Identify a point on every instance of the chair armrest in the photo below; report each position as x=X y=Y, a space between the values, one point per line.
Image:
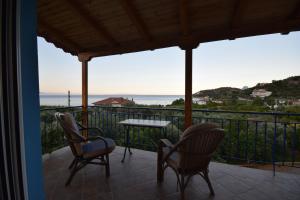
x=99 y=138
x=82 y=128
x=76 y=140
x=98 y=130
x=166 y=143
x=173 y=148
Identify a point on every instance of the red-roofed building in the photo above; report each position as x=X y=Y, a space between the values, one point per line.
x=114 y=101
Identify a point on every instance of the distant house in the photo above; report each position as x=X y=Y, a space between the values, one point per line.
x=114 y=101
x=243 y=99
x=261 y=84
x=262 y=93
x=217 y=101
x=295 y=102
x=281 y=101
x=202 y=100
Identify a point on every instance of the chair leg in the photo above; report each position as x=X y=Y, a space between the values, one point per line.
x=73 y=172
x=72 y=163
x=182 y=186
x=206 y=178
x=107 y=166
x=160 y=170
x=102 y=158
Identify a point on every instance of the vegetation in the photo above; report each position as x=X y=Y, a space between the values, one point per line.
x=250 y=137
x=286 y=89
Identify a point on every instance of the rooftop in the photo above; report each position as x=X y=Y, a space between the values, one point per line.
x=136 y=179
x=114 y=100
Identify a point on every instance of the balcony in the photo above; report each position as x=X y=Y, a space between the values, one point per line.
x=260 y=140
x=136 y=179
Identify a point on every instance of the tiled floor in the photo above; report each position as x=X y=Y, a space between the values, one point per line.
x=136 y=179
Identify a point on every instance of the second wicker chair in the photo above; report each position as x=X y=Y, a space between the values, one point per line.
x=191 y=155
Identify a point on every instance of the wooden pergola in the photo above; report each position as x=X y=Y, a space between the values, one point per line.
x=97 y=28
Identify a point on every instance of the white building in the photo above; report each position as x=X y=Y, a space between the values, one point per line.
x=262 y=93
x=202 y=100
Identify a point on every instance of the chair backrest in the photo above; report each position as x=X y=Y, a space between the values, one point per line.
x=198 y=143
x=72 y=133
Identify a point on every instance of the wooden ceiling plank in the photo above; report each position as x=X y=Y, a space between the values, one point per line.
x=136 y=19
x=201 y=36
x=183 y=17
x=235 y=14
x=295 y=12
x=91 y=21
x=58 y=35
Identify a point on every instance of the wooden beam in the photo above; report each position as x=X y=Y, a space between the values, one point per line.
x=51 y=33
x=85 y=95
x=183 y=17
x=136 y=19
x=188 y=88
x=85 y=15
x=200 y=36
x=295 y=12
x=236 y=14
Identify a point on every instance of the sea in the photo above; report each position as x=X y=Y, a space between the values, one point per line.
x=75 y=100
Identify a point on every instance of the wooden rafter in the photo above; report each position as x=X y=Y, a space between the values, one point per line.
x=200 y=36
x=183 y=17
x=91 y=21
x=295 y=12
x=235 y=14
x=136 y=19
x=58 y=35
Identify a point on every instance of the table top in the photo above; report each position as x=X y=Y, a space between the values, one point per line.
x=145 y=123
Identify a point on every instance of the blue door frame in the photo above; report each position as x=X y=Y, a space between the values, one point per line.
x=30 y=98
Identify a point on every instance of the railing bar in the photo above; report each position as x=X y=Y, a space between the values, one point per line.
x=294 y=144
x=247 y=142
x=255 y=140
x=238 y=132
x=284 y=144
x=274 y=144
x=265 y=141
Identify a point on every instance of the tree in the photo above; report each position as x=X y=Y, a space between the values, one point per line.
x=258 y=102
x=178 y=102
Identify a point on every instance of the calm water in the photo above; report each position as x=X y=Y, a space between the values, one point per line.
x=62 y=100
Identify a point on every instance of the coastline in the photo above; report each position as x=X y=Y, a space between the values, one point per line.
x=62 y=100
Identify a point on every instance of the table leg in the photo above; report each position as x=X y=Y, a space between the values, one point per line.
x=164 y=132
x=128 y=141
x=127 y=144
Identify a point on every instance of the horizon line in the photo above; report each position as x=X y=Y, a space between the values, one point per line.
x=115 y=94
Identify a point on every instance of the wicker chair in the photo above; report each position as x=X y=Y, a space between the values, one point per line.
x=191 y=155
x=85 y=150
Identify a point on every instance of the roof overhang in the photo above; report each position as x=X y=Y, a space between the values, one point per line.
x=108 y=27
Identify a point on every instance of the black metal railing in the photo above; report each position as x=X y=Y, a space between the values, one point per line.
x=259 y=137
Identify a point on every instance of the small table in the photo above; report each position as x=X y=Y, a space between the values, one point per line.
x=140 y=123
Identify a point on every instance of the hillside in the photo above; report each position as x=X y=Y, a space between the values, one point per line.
x=287 y=88
x=220 y=93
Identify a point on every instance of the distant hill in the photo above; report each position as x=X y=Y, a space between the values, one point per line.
x=220 y=93
x=287 y=88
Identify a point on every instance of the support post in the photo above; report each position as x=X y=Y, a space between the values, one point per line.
x=188 y=88
x=85 y=95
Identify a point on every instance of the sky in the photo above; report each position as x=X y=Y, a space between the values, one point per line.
x=227 y=63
